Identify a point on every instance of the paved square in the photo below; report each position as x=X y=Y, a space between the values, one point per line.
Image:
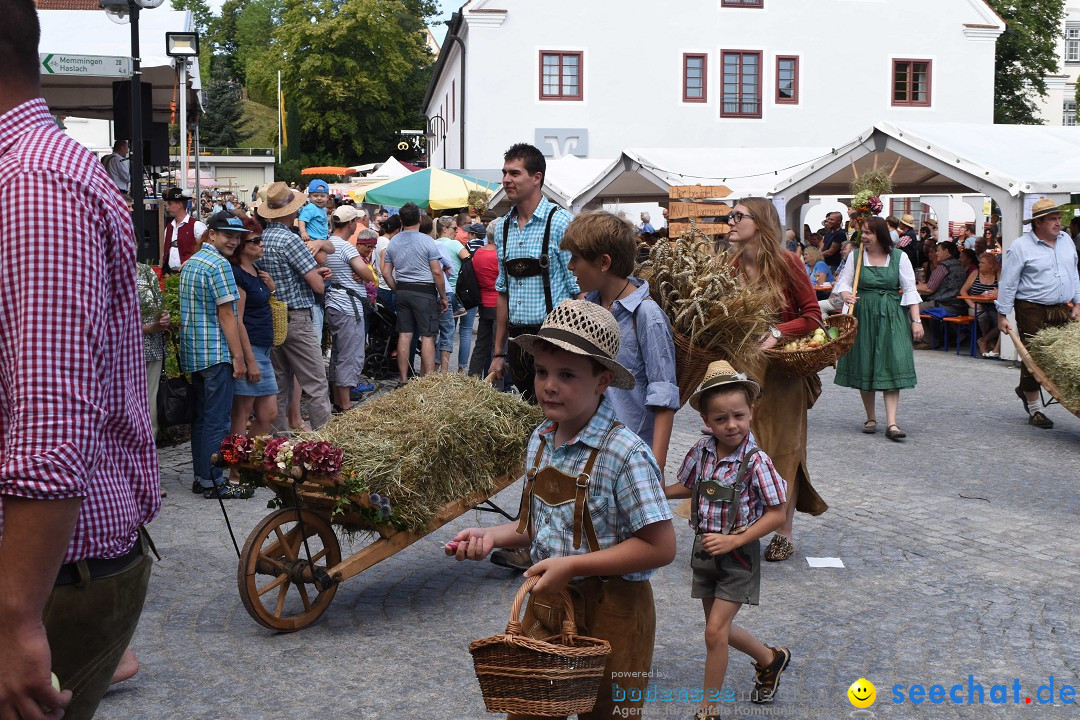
x=960 y=547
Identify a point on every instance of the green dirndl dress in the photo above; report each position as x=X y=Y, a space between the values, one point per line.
x=882 y=357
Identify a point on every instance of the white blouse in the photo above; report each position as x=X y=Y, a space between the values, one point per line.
x=907 y=278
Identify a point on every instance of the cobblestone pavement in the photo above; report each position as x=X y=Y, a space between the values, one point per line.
x=960 y=548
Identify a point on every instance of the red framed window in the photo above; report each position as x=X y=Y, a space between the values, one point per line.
x=787 y=79
x=560 y=75
x=741 y=84
x=743 y=3
x=695 y=76
x=911 y=82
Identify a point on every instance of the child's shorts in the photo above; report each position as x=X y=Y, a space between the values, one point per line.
x=734 y=576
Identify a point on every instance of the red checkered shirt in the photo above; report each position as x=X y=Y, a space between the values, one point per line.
x=73 y=411
x=764 y=486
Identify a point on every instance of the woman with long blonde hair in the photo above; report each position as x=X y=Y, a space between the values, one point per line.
x=779 y=422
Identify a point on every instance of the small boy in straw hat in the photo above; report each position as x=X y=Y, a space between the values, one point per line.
x=738 y=498
x=593 y=504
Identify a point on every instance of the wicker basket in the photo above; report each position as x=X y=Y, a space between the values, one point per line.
x=801 y=363
x=279 y=312
x=553 y=677
x=690 y=366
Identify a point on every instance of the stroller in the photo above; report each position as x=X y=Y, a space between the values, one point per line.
x=382 y=339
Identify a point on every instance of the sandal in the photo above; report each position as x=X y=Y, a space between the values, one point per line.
x=869 y=427
x=894 y=435
x=779 y=549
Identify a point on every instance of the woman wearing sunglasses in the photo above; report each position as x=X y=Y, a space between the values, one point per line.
x=258 y=389
x=779 y=420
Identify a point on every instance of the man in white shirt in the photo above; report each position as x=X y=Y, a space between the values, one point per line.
x=182 y=234
x=118 y=167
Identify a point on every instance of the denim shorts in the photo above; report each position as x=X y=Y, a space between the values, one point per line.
x=267 y=385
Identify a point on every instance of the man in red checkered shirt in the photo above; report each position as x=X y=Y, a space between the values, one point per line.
x=78 y=468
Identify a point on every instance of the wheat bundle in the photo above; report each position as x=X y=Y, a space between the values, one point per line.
x=1056 y=350
x=431 y=442
x=705 y=299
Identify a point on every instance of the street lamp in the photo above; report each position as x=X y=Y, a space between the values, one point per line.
x=183 y=45
x=436 y=127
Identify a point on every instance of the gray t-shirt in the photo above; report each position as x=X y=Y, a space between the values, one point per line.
x=411 y=253
x=342 y=277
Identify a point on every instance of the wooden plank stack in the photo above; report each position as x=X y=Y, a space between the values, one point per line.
x=700 y=203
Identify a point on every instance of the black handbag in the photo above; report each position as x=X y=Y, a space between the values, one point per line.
x=175 y=401
x=468 y=286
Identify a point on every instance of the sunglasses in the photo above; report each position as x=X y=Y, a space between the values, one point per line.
x=737 y=217
x=255 y=241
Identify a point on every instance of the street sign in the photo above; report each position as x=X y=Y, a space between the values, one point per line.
x=89 y=65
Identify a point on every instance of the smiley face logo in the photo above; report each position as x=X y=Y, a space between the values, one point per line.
x=862 y=693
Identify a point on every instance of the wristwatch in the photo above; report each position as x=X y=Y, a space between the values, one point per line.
x=775 y=332
x=917 y=322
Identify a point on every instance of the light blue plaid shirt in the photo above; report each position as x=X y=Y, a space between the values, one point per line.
x=206 y=281
x=625 y=492
x=526 y=295
x=287 y=259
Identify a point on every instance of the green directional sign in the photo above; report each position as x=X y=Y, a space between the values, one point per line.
x=89 y=65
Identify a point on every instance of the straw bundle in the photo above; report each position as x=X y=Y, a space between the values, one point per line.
x=705 y=300
x=429 y=443
x=1056 y=350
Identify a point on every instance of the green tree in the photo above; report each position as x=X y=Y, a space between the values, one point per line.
x=222 y=125
x=356 y=71
x=255 y=53
x=1026 y=53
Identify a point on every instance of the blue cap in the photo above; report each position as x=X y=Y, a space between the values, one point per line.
x=318 y=186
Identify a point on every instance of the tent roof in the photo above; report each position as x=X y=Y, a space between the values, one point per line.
x=90 y=32
x=942 y=158
x=645 y=174
x=392 y=168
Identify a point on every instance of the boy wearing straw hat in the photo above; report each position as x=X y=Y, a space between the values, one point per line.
x=593 y=506
x=738 y=498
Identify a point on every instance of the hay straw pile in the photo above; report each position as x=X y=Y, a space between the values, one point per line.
x=1056 y=350
x=705 y=300
x=433 y=441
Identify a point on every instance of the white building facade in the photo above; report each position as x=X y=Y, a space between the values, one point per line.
x=1058 y=107
x=590 y=78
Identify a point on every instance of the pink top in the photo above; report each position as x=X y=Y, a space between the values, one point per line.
x=73 y=410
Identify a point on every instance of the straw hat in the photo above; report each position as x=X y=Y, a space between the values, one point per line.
x=721 y=373
x=1041 y=208
x=907 y=220
x=281 y=201
x=930 y=221
x=583 y=328
x=260 y=198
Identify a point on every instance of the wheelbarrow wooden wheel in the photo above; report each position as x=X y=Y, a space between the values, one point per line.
x=279 y=587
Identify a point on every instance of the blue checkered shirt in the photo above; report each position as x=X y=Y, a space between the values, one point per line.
x=526 y=295
x=287 y=259
x=206 y=281
x=625 y=492
x=764 y=486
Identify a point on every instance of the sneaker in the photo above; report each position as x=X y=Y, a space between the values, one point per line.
x=513 y=558
x=1039 y=420
x=197 y=487
x=230 y=492
x=991 y=355
x=767 y=679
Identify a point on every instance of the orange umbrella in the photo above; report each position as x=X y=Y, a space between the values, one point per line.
x=329 y=170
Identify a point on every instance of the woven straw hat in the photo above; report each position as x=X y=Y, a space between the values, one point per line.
x=281 y=201
x=721 y=373
x=1042 y=207
x=583 y=328
x=907 y=220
